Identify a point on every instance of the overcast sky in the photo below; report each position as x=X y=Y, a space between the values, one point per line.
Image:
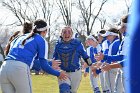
x=112 y=9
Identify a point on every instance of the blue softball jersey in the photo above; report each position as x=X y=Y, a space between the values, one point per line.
x=35 y=46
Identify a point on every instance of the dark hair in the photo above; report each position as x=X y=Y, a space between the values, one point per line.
x=114 y=30
x=40 y=23
x=27 y=27
x=15 y=35
x=37 y=25
x=120 y=35
x=96 y=37
x=124 y=19
x=102 y=31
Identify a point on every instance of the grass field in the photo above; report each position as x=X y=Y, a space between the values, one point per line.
x=49 y=84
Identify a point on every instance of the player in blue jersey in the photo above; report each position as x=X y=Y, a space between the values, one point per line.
x=120 y=57
x=122 y=48
x=112 y=36
x=105 y=47
x=69 y=50
x=15 y=71
x=92 y=49
x=27 y=28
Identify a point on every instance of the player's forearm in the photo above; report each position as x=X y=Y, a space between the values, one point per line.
x=47 y=68
x=115 y=65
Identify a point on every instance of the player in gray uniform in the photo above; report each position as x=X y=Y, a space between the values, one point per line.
x=105 y=47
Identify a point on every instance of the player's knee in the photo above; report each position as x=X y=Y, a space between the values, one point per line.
x=64 y=88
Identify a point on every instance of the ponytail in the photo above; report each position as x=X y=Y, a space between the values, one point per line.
x=30 y=35
x=120 y=36
x=15 y=35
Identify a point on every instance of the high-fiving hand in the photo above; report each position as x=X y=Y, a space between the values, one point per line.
x=63 y=75
x=56 y=64
x=99 y=56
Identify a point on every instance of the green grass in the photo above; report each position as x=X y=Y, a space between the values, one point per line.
x=49 y=84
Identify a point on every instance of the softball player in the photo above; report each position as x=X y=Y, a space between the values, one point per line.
x=112 y=36
x=105 y=48
x=27 y=28
x=123 y=50
x=93 y=48
x=15 y=71
x=69 y=50
x=122 y=53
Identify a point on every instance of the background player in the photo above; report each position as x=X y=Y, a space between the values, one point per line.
x=93 y=47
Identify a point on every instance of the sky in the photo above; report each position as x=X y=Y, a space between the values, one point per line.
x=113 y=9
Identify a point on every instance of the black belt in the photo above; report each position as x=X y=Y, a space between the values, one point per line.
x=73 y=70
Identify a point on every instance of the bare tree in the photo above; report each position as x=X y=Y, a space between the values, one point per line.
x=80 y=27
x=65 y=7
x=128 y=5
x=102 y=20
x=16 y=8
x=4 y=35
x=30 y=10
x=87 y=13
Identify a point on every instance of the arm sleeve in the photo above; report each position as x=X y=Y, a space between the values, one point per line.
x=84 y=54
x=50 y=63
x=47 y=68
x=42 y=54
x=82 y=51
x=90 y=52
x=122 y=62
x=42 y=48
x=113 y=58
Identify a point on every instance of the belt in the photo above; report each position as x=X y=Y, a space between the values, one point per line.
x=73 y=70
